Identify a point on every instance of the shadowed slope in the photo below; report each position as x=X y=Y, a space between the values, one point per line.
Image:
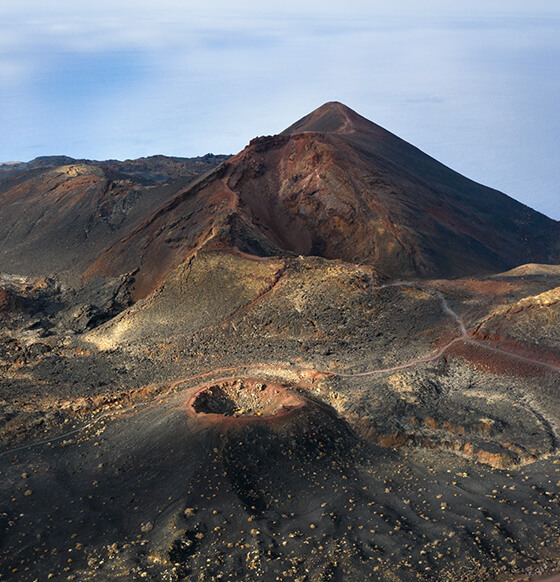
x=57 y=214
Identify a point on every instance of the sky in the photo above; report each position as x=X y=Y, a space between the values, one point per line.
x=475 y=85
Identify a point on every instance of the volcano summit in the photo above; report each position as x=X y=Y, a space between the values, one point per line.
x=328 y=357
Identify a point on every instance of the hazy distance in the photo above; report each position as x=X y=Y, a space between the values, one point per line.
x=476 y=87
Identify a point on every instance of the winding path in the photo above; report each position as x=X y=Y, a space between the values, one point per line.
x=463 y=337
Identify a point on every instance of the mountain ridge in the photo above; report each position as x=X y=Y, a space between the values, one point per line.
x=333 y=184
x=59 y=213
x=352 y=192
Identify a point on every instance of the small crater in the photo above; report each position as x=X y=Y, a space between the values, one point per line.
x=247 y=398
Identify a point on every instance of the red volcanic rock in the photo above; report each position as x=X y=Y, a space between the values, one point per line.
x=338 y=186
x=528 y=327
x=333 y=185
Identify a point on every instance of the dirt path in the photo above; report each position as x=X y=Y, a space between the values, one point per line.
x=464 y=337
x=60 y=436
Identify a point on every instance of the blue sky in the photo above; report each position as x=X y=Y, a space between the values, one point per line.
x=475 y=86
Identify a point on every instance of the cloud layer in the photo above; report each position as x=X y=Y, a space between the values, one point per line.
x=476 y=87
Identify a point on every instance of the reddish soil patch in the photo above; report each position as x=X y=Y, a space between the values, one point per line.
x=490 y=288
x=497 y=360
x=480 y=287
x=518 y=349
x=242 y=401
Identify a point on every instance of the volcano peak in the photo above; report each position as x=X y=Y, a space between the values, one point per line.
x=331 y=117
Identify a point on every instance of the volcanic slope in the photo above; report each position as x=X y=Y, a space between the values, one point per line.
x=57 y=214
x=258 y=414
x=338 y=186
x=281 y=419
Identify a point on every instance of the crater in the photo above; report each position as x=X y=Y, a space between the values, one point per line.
x=249 y=399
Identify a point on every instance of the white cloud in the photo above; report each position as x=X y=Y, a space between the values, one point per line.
x=13 y=72
x=183 y=77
